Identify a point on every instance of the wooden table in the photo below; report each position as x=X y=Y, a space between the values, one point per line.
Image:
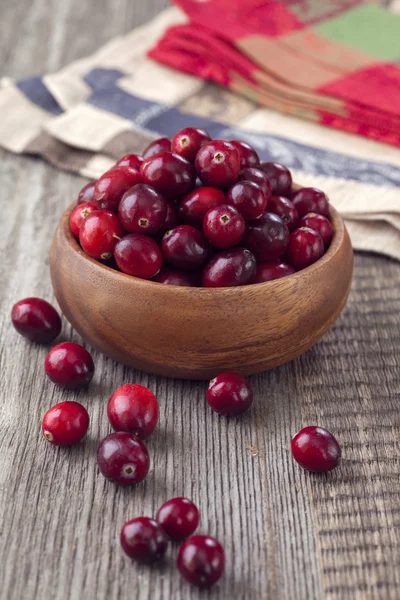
x=288 y=534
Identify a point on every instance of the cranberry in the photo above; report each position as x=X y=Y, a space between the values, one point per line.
x=130 y=160
x=305 y=248
x=267 y=271
x=160 y=145
x=185 y=248
x=285 y=209
x=175 y=277
x=267 y=237
x=309 y=200
x=316 y=449
x=86 y=193
x=69 y=365
x=280 y=177
x=235 y=266
x=65 y=423
x=143 y=540
x=320 y=224
x=259 y=177
x=99 y=232
x=179 y=517
x=79 y=213
x=195 y=206
x=123 y=458
x=218 y=164
x=36 y=320
x=224 y=226
x=201 y=560
x=229 y=394
x=171 y=220
x=133 y=408
x=169 y=174
x=248 y=156
x=248 y=198
x=138 y=255
x=112 y=186
x=142 y=210
x=188 y=142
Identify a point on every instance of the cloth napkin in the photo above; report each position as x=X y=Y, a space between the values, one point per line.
x=116 y=101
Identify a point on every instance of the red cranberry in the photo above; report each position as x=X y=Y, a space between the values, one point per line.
x=305 y=248
x=86 y=193
x=69 y=365
x=309 y=200
x=259 y=177
x=179 y=517
x=99 y=232
x=36 y=320
x=142 y=210
x=130 y=160
x=169 y=174
x=171 y=220
x=123 y=458
x=285 y=209
x=201 y=560
x=267 y=237
x=79 y=213
x=195 y=206
x=65 y=423
x=218 y=164
x=267 y=271
x=316 y=449
x=188 y=142
x=143 y=540
x=248 y=198
x=320 y=224
x=248 y=156
x=133 y=408
x=160 y=145
x=112 y=186
x=235 y=266
x=280 y=177
x=224 y=226
x=138 y=255
x=175 y=277
x=229 y=394
x=185 y=248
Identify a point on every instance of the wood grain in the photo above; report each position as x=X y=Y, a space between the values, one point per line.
x=288 y=534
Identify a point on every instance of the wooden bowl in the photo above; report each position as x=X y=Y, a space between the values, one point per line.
x=195 y=333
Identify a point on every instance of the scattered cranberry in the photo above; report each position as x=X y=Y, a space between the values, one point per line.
x=112 y=186
x=36 y=320
x=218 y=164
x=179 y=517
x=79 y=213
x=169 y=174
x=99 y=232
x=248 y=198
x=259 y=177
x=188 y=142
x=248 y=156
x=160 y=145
x=305 y=248
x=316 y=449
x=69 y=365
x=267 y=237
x=235 y=266
x=195 y=206
x=133 y=408
x=185 y=248
x=309 y=200
x=175 y=277
x=229 y=394
x=320 y=224
x=123 y=458
x=65 y=423
x=171 y=220
x=138 y=255
x=142 y=210
x=224 y=226
x=86 y=193
x=130 y=160
x=143 y=540
x=285 y=209
x=201 y=560
x=280 y=177
x=275 y=269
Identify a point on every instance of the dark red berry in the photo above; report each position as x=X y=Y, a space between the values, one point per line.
x=259 y=177
x=229 y=394
x=280 y=177
x=185 y=248
x=218 y=164
x=142 y=210
x=80 y=213
x=143 y=540
x=36 y=320
x=123 y=458
x=175 y=277
x=188 y=142
x=86 y=193
x=316 y=449
x=160 y=145
x=235 y=266
x=248 y=198
x=267 y=237
x=69 y=365
x=309 y=200
x=169 y=174
x=305 y=248
x=99 y=232
x=224 y=226
x=133 y=408
x=179 y=517
x=65 y=423
x=112 y=186
x=285 y=209
x=138 y=255
x=171 y=220
x=195 y=206
x=201 y=560
x=267 y=271
x=248 y=156
x=320 y=224
x=130 y=160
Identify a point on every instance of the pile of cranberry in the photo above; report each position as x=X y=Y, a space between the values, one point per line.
x=194 y=211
